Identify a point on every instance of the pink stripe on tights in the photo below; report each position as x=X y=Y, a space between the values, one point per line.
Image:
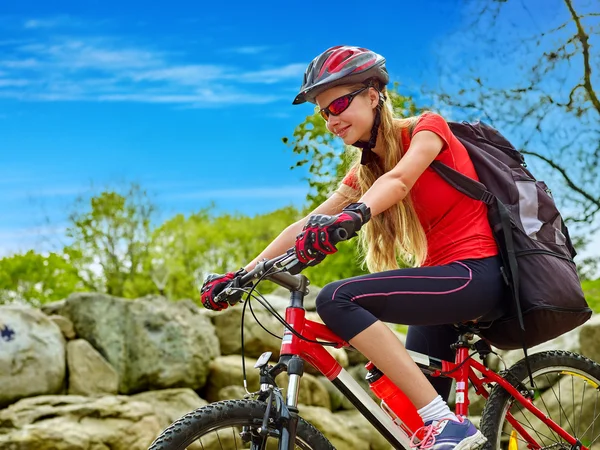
x=386 y=294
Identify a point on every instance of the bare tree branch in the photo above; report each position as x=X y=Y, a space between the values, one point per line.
x=584 y=39
x=566 y=177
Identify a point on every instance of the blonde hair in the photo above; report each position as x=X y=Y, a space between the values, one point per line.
x=396 y=235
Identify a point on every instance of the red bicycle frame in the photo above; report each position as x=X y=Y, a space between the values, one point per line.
x=462 y=370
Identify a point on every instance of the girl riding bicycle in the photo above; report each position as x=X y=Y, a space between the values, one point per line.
x=408 y=213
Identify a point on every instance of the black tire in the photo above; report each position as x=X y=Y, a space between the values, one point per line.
x=555 y=374
x=231 y=414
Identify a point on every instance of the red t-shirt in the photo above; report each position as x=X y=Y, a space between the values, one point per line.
x=456 y=226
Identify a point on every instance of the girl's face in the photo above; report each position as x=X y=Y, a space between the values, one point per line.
x=355 y=122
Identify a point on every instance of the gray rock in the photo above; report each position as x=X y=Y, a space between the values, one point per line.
x=32 y=354
x=309 y=300
x=356 y=423
x=346 y=430
x=65 y=325
x=76 y=423
x=89 y=373
x=589 y=337
x=171 y=404
x=151 y=342
x=568 y=341
x=335 y=396
x=226 y=381
x=54 y=308
x=231 y=393
x=256 y=340
x=227 y=371
x=355 y=357
x=312 y=391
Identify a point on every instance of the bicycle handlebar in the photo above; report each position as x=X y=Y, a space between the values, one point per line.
x=287 y=262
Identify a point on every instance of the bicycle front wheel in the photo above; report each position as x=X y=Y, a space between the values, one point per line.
x=233 y=424
x=566 y=391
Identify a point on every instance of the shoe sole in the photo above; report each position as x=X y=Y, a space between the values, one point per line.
x=472 y=442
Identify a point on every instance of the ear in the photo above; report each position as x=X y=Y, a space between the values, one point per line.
x=373 y=97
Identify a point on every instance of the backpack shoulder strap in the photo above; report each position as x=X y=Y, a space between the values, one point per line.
x=468 y=186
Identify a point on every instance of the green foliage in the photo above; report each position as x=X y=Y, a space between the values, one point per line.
x=343 y=264
x=37 y=279
x=190 y=248
x=317 y=148
x=111 y=237
x=591 y=289
x=587 y=267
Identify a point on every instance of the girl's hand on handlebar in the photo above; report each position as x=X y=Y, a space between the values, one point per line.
x=316 y=240
x=213 y=285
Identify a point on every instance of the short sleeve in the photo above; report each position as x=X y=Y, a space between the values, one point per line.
x=436 y=124
x=349 y=185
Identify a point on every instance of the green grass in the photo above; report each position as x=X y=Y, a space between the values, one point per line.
x=591 y=289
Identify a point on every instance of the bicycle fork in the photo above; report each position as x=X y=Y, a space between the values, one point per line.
x=285 y=411
x=288 y=431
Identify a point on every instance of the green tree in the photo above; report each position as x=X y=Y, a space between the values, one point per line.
x=191 y=247
x=37 y=279
x=110 y=242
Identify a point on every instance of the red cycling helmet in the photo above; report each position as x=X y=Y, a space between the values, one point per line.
x=339 y=65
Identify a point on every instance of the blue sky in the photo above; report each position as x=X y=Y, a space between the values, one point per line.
x=190 y=99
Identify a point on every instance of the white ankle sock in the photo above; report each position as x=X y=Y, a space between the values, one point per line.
x=437 y=409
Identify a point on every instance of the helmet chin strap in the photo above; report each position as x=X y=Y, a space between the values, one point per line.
x=368 y=155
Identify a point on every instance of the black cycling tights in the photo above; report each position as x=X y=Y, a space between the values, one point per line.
x=429 y=299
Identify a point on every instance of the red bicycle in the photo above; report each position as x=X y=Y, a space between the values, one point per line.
x=559 y=411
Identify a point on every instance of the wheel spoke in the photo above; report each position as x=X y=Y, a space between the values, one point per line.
x=556 y=437
x=219 y=438
x=581 y=408
x=234 y=437
x=565 y=384
x=536 y=430
x=560 y=403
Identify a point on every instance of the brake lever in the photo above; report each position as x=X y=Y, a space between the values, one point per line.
x=291 y=263
x=232 y=293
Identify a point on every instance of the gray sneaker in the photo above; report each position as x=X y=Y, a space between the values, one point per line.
x=448 y=434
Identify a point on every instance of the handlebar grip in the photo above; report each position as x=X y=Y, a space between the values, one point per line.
x=340 y=234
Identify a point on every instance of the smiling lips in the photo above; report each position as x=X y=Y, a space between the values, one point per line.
x=343 y=131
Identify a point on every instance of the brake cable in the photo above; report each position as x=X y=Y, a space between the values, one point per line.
x=264 y=302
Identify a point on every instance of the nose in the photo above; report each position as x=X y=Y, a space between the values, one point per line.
x=332 y=122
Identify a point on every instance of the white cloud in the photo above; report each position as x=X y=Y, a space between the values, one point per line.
x=34 y=23
x=18 y=233
x=196 y=100
x=51 y=22
x=19 y=64
x=110 y=70
x=14 y=193
x=186 y=75
x=291 y=71
x=12 y=82
x=41 y=238
x=248 y=50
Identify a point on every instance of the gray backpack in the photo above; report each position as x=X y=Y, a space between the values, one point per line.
x=534 y=243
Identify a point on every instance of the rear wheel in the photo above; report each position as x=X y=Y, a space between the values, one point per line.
x=233 y=424
x=566 y=390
